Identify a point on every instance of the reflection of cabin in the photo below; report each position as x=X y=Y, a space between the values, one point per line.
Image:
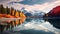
x=11 y=11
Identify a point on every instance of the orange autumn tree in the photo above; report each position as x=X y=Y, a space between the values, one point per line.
x=10 y=13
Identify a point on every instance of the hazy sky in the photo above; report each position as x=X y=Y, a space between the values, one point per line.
x=32 y=5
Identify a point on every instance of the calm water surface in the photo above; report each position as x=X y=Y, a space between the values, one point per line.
x=32 y=26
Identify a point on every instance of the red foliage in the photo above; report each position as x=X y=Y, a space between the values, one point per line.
x=55 y=11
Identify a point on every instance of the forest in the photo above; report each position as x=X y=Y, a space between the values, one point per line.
x=9 y=12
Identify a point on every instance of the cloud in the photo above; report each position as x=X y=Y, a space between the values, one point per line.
x=8 y=1
x=30 y=8
x=44 y=7
x=51 y=5
x=32 y=2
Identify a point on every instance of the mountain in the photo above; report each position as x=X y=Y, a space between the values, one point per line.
x=33 y=13
x=55 y=12
x=38 y=13
x=26 y=12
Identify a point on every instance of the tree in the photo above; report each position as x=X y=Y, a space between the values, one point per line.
x=7 y=10
x=11 y=11
x=2 y=9
x=14 y=12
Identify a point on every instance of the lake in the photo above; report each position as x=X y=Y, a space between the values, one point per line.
x=31 y=26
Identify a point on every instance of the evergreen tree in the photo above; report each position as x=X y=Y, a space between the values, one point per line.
x=12 y=11
x=2 y=9
x=7 y=10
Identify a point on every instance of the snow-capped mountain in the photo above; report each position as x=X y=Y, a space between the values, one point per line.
x=32 y=13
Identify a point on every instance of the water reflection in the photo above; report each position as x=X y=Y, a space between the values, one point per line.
x=6 y=25
x=36 y=26
x=54 y=22
x=32 y=26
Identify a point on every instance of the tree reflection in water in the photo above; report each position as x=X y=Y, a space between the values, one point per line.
x=54 y=22
x=6 y=25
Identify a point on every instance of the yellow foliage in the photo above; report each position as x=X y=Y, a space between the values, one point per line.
x=13 y=12
x=22 y=15
x=18 y=14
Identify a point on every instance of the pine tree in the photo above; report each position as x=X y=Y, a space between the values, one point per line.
x=12 y=11
x=2 y=8
x=7 y=10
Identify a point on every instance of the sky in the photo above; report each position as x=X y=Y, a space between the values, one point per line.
x=32 y=5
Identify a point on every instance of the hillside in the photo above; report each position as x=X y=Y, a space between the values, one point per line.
x=55 y=12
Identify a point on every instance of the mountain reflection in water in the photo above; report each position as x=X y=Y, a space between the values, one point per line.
x=32 y=26
x=54 y=22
